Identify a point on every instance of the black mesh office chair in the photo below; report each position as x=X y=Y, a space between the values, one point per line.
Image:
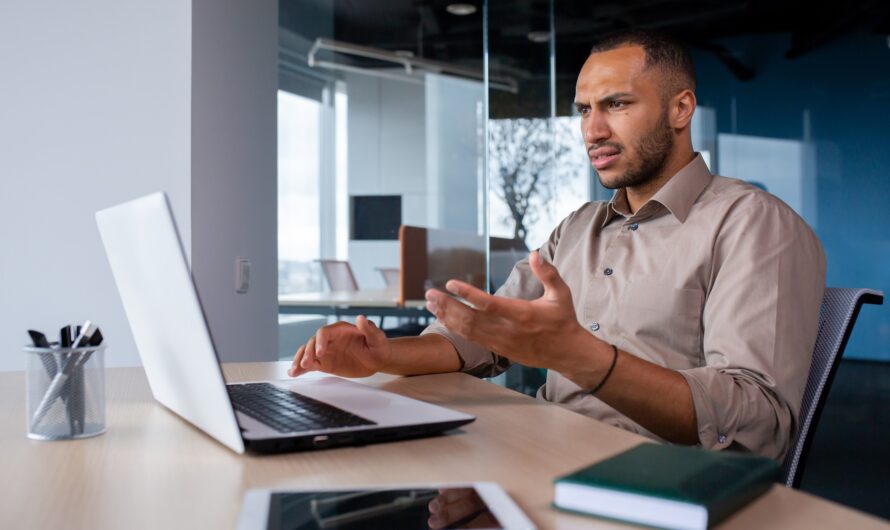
x=840 y=307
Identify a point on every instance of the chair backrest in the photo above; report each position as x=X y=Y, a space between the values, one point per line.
x=390 y=276
x=339 y=275
x=840 y=307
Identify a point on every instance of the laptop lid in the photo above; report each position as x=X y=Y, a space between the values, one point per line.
x=165 y=315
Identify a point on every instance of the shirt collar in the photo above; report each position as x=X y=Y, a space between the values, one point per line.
x=677 y=195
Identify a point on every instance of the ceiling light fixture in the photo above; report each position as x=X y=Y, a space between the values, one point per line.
x=460 y=9
x=539 y=37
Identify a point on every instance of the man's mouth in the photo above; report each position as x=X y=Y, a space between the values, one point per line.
x=603 y=157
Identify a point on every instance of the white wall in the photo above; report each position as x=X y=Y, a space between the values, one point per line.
x=387 y=156
x=94 y=110
x=96 y=107
x=234 y=172
x=786 y=167
x=454 y=148
x=704 y=135
x=420 y=141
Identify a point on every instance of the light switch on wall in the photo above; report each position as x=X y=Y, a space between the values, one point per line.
x=242 y=275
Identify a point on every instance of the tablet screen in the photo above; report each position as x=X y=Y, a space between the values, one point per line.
x=397 y=509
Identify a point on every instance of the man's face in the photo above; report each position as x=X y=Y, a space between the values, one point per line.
x=623 y=118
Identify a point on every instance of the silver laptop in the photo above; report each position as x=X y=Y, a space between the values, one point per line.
x=310 y=412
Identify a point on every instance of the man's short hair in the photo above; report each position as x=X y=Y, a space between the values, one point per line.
x=662 y=51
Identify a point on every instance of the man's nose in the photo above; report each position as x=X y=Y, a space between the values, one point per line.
x=595 y=128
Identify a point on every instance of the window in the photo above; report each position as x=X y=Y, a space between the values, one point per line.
x=539 y=174
x=299 y=218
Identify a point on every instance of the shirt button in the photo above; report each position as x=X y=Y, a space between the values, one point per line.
x=633 y=227
x=607 y=272
x=721 y=438
x=594 y=326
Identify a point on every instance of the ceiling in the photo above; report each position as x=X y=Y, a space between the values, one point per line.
x=425 y=29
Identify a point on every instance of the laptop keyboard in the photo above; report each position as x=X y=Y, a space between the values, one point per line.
x=287 y=411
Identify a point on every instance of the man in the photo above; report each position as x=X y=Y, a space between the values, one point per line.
x=685 y=309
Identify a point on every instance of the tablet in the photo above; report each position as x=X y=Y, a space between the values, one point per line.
x=479 y=505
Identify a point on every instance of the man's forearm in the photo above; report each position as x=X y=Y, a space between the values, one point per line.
x=657 y=398
x=427 y=354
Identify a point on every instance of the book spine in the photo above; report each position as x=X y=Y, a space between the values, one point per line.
x=752 y=486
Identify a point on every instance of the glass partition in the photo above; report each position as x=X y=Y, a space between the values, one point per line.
x=786 y=105
x=382 y=122
x=807 y=123
x=383 y=99
x=537 y=165
x=538 y=171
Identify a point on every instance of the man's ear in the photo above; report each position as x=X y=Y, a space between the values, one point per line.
x=682 y=107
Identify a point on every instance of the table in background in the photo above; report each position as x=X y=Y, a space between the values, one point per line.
x=153 y=470
x=382 y=302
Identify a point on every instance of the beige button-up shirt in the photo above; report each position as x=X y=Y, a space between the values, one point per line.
x=711 y=277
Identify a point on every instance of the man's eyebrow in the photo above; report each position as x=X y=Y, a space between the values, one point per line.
x=614 y=96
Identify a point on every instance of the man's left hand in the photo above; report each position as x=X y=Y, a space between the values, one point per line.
x=537 y=333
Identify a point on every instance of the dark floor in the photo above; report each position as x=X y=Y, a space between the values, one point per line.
x=850 y=459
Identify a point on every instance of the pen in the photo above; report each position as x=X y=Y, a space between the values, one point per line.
x=58 y=382
x=95 y=340
x=66 y=392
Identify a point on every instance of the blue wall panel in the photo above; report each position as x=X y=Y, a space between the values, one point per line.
x=844 y=87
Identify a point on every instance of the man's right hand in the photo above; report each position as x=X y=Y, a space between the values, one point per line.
x=345 y=350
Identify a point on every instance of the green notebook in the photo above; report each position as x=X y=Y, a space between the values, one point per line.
x=667 y=486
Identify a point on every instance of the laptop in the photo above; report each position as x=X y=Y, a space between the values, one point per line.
x=309 y=412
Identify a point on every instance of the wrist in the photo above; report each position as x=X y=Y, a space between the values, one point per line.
x=388 y=358
x=589 y=360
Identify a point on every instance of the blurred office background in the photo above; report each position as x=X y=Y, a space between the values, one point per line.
x=452 y=116
x=460 y=116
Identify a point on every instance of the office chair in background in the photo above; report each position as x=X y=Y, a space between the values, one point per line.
x=339 y=275
x=838 y=313
x=412 y=328
x=390 y=276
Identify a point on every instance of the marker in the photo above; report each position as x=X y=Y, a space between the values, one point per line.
x=49 y=362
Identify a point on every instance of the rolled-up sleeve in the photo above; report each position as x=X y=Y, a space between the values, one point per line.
x=760 y=323
x=476 y=359
x=522 y=284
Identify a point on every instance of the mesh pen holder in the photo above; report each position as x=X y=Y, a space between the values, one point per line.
x=65 y=392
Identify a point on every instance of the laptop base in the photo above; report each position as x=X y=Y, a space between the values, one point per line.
x=345 y=439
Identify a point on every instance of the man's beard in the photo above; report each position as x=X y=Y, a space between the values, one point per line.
x=653 y=150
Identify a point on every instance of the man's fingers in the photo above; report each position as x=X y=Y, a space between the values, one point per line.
x=374 y=336
x=481 y=300
x=548 y=275
x=321 y=341
x=295 y=368
x=309 y=355
x=460 y=318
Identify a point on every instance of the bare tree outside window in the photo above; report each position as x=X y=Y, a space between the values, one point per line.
x=525 y=158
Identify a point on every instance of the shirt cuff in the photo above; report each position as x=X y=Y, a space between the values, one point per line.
x=734 y=411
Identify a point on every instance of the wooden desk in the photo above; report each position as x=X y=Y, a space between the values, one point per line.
x=153 y=470
x=383 y=302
